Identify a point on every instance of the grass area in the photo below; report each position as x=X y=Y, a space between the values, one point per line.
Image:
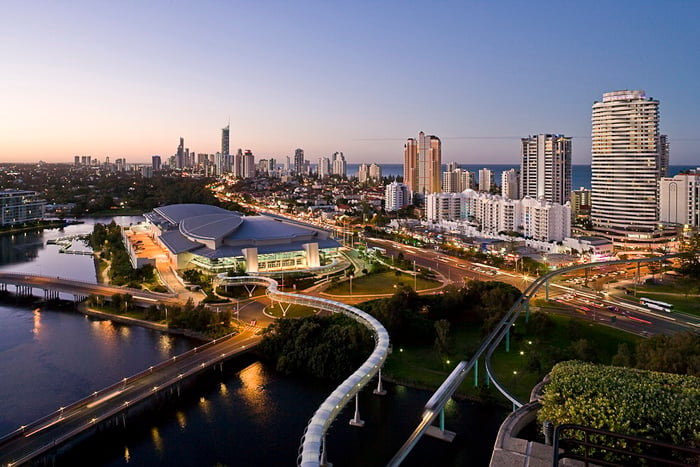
x=294 y=311
x=672 y=291
x=424 y=367
x=511 y=367
x=379 y=283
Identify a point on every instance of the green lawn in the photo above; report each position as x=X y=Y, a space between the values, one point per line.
x=424 y=367
x=294 y=311
x=690 y=305
x=379 y=283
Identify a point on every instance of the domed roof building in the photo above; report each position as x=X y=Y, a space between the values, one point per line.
x=218 y=240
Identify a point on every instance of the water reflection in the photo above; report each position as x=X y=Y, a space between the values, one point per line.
x=127 y=455
x=165 y=344
x=106 y=332
x=37 y=322
x=252 y=390
x=157 y=440
x=206 y=408
x=125 y=332
x=181 y=419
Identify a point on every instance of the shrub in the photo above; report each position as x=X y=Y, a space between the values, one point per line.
x=660 y=406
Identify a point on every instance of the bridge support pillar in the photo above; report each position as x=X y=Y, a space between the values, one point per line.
x=440 y=432
x=546 y=290
x=356 y=421
x=379 y=391
x=476 y=373
x=324 y=461
x=639 y=272
x=488 y=381
x=508 y=340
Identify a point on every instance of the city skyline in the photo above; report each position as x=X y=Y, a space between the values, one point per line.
x=124 y=81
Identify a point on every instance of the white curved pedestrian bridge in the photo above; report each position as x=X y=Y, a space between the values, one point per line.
x=312 y=443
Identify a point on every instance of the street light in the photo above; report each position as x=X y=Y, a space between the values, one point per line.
x=351 y=276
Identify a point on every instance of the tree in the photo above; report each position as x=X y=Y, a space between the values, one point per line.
x=442 y=336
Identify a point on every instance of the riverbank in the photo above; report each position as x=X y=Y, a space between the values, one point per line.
x=37 y=226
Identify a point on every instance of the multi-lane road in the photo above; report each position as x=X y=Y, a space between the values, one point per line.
x=629 y=317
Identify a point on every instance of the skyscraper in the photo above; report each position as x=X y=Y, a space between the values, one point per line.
x=628 y=153
x=225 y=140
x=248 y=164
x=396 y=196
x=510 y=188
x=155 y=163
x=486 y=180
x=545 y=169
x=423 y=164
x=299 y=161
x=180 y=156
x=363 y=173
x=324 y=167
x=339 y=164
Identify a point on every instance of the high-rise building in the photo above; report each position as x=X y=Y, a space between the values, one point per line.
x=396 y=196
x=545 y=170
x=510 y=187
x=324 y=167
x=679 y=199
x=410 y=164
x=248 y=164
x=237 y=168
x=375 y=173
x=457 y=180
x=423 y=164
x=76 y=160
x=627 y=162
x=287 y=164
x=225 y=140
x=486 y=180
x=155 y=163
x=452 y=166
x=299 y=161
x=363 y=173
x=180 y=155
x=581 y=203
x=339 y=164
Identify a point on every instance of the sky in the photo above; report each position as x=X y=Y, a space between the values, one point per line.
x=129 y=78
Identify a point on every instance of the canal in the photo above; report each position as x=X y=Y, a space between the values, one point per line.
x=246 y=415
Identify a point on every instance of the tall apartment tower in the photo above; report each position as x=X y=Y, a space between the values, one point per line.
x=225 y=140
x=545 y=169
x=486 y=180
x=510 y=186
x=679 y=199
x=298 y=161
x=324 y=167
x=155 y=163
x=248 y=164
x=423 y=164
x=339 y=165
x=628 y=153
x=410 y=164
x=396 y=196
x=180 y=157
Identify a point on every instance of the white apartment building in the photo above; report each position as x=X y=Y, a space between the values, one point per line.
x=510 y=184
x=396 y=196
x=339 y=165
x=628 y=159
x=375 y=172
x=545 y=170
x=486 y=180
x=493 y=214
x=457 y=180
x=679 y=199
x=324 y=167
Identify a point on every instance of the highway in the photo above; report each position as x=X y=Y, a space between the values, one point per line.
x=42 y=435
x=631 y=318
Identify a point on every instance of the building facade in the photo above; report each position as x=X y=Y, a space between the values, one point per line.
x=679 y=199
x=486 y=180
x=396 y=196
x=299 y=161
x=225 y=140
x=626 y=164
x=20 y=206
x=510 y=184
x=545 y=168
x=423 y=164
x=339 y=165
x=492 y=215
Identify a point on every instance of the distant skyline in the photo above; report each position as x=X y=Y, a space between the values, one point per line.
x=128 y=79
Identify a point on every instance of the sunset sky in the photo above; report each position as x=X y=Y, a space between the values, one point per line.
x=128 y=78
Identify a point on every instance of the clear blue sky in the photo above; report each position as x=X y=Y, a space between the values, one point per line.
x=128 y=78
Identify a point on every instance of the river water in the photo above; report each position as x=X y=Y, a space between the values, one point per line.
x=246 y=415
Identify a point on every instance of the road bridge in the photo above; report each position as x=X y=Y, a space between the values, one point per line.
x=52 y=286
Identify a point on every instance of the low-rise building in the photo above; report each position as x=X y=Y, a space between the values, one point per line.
x=20 y=206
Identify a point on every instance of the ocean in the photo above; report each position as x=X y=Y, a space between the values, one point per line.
x=580 y=176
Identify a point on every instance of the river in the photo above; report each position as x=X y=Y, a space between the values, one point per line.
x=246 y=415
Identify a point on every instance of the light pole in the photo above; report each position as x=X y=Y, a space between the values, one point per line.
x=351 y=276
x=415 y=277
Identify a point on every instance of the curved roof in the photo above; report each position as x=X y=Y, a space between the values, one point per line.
x=174 y=213
x=210 y=226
